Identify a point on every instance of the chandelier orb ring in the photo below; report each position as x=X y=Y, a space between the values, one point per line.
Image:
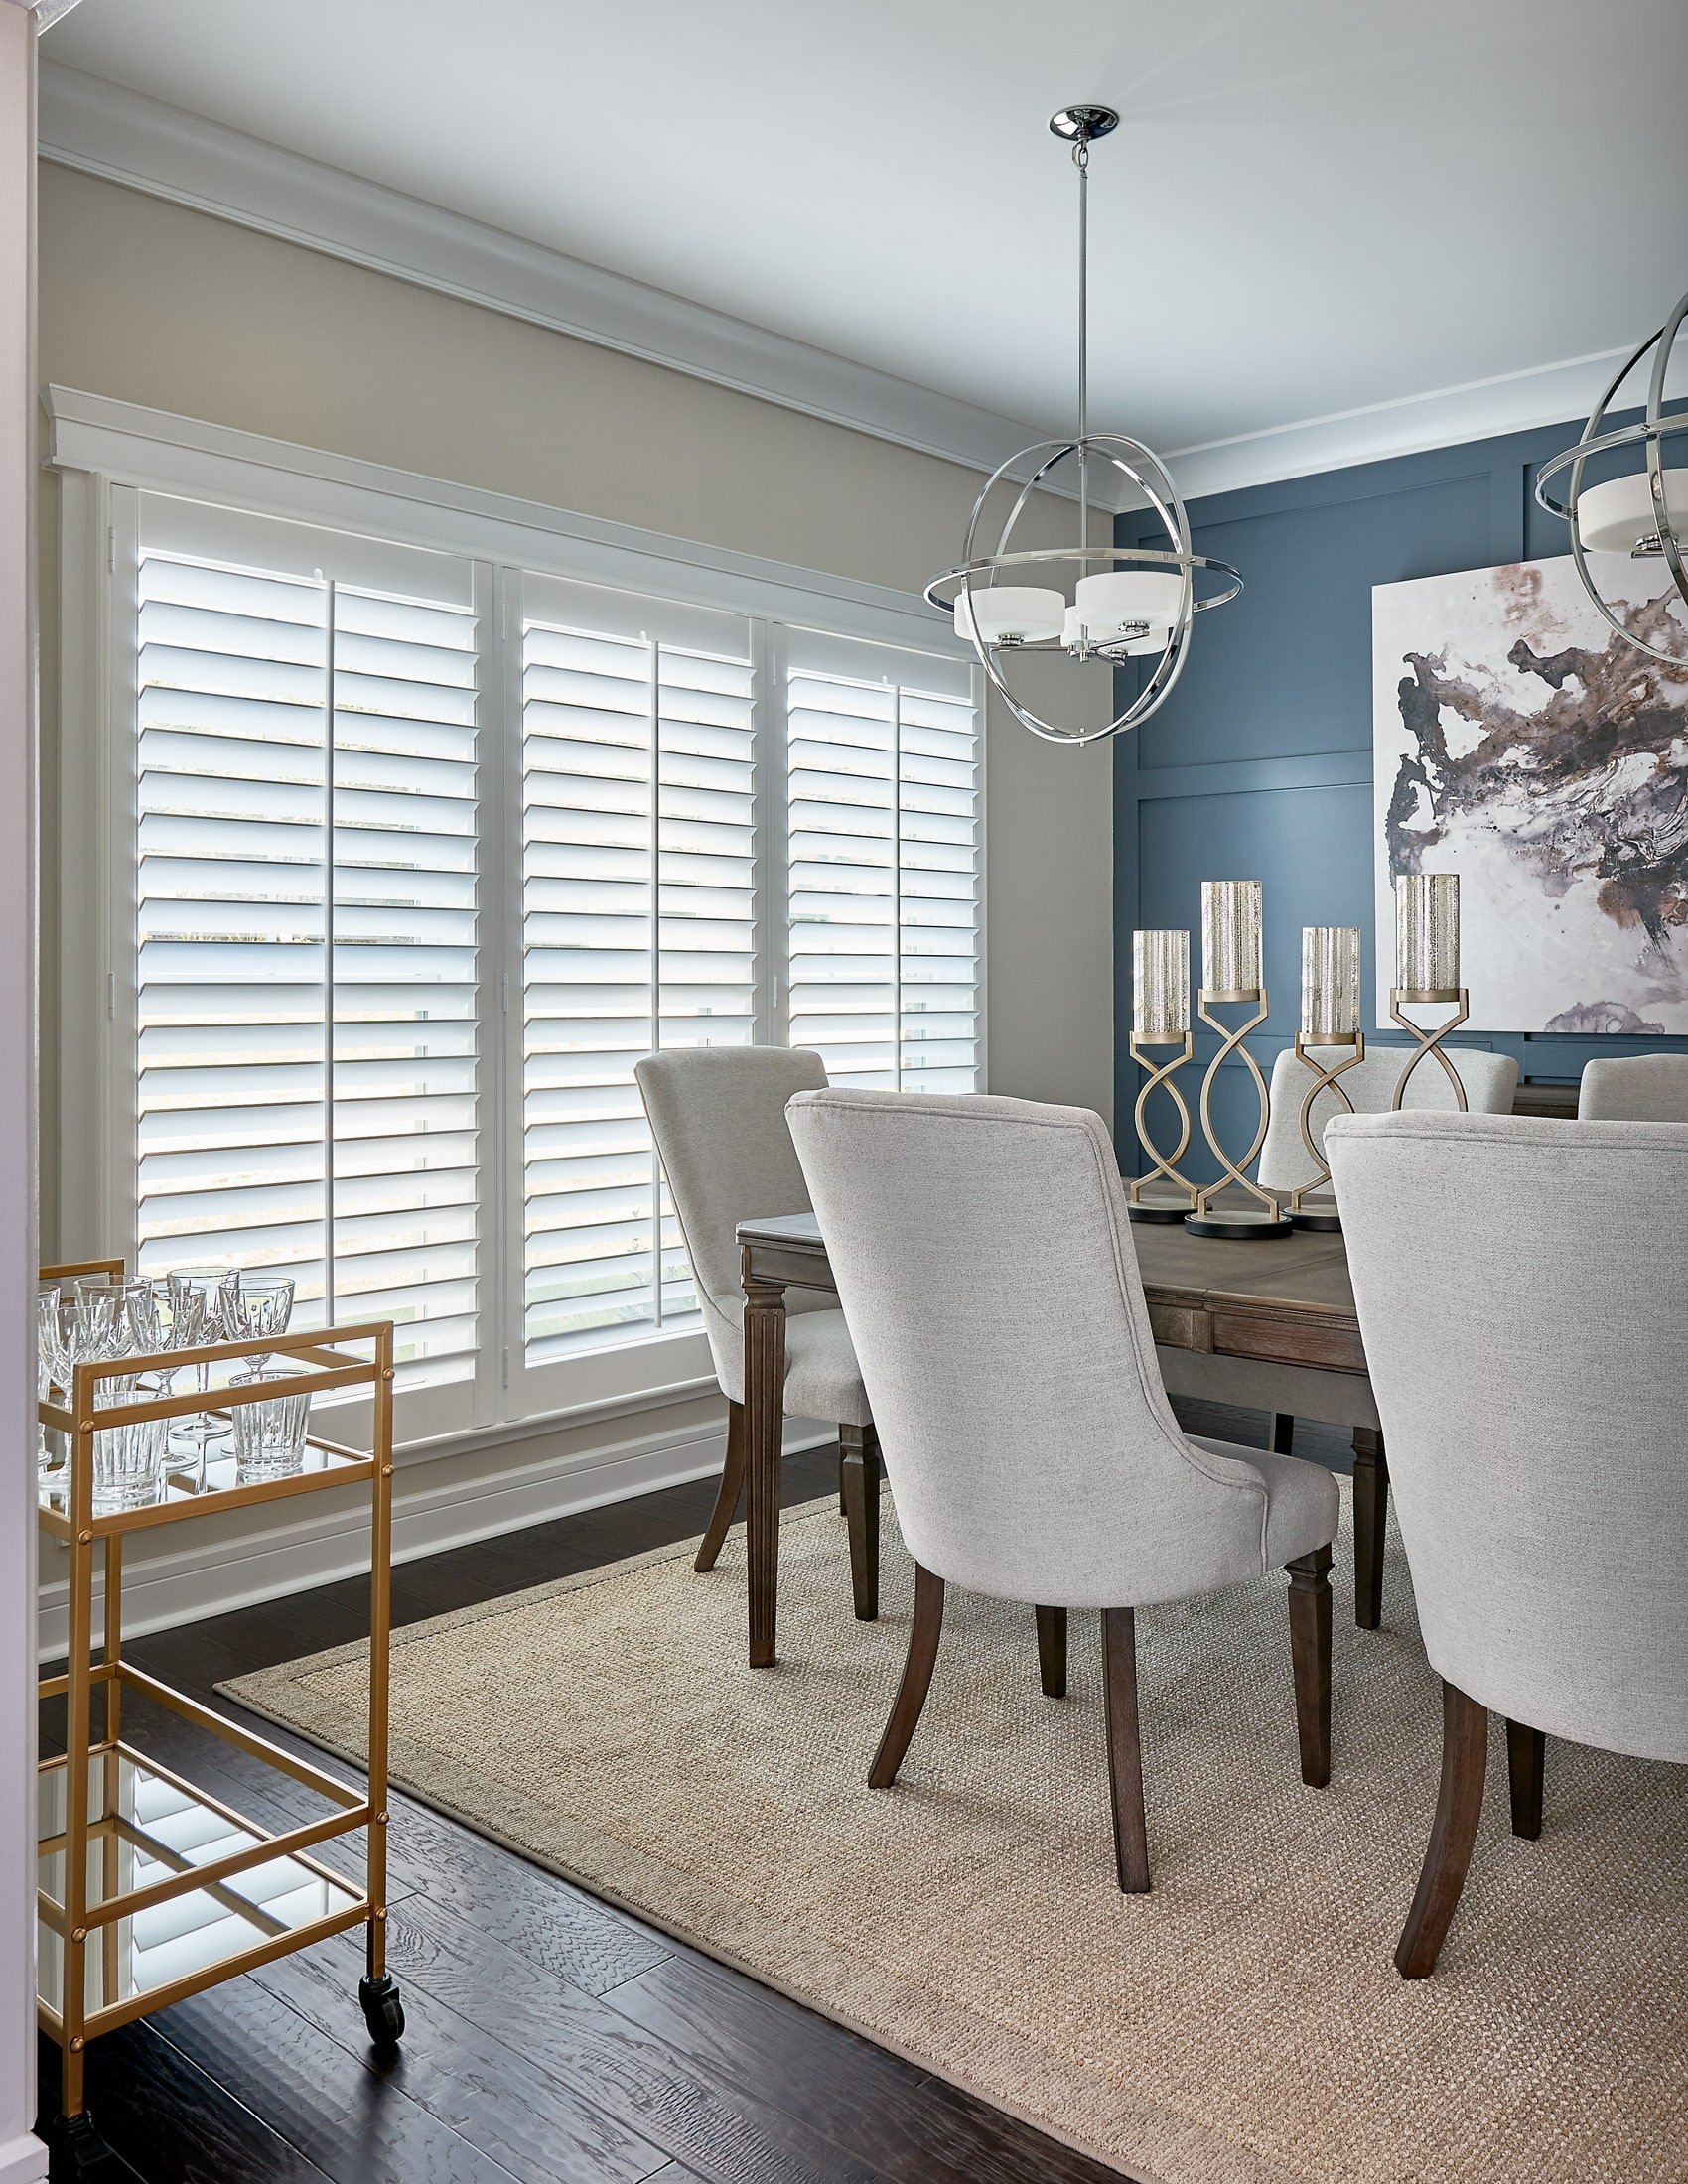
x=1129 y=602
x=1643 y=513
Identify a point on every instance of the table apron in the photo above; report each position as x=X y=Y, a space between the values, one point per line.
x=1268 y=1337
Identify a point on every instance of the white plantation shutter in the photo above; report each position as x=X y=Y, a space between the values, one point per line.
x=364 y=990
x=884 y=820
x=305 y=788
x=637 y=931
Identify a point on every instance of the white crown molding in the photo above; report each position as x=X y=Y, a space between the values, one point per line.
x=1446 y=417
x=105 y=129
x=108 y=130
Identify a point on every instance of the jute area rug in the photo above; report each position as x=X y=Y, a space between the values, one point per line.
x=1242 y=2024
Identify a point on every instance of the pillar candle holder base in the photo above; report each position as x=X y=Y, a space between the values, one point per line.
x=1321 y=1215
x=1429 y=1043
x=1163 y=1206
x=1260 y=1214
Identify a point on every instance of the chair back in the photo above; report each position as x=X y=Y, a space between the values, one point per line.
x=1522 y=1287
x=718 y=1116
x=1488 y=1080
x=1638 y=1088
x=983 y=1257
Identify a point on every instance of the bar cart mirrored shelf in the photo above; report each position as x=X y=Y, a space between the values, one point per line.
x=151 y=1888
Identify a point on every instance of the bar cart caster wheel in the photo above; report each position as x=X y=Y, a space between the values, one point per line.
x=77 y=2152
x=384 y=2012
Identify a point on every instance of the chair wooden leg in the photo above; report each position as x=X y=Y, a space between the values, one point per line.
x=1372 y=1522
x=1459 y=1808
x=843 y=1497
x=731 y=1487
x=917 y=1680
x=1052 y=1651
x=860 y=1470
x=1526 y=1757
x=1310 y=1652
x=1281 y=1433
x=1125 y=1749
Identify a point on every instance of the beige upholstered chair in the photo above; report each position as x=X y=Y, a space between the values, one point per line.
x=718 y=1115
x=983 y=1254
x=1289 y=1392
x=1641 y=1088
x=1523 y=1293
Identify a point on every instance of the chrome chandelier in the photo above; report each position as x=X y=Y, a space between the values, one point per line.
x=1129 y=602
x=1643 y=513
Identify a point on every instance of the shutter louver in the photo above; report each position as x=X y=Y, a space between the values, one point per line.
x=637 y=932
x=883 y=805
x=365 y=1191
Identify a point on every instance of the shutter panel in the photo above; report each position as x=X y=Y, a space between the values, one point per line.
x=884 y=812
x=405 y=975
x=638 y=920
x=231 y=920
x=368 y=1198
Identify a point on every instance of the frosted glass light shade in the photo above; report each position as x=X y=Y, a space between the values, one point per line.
x=1107 y=603
x=1160 y=984
x=1427 y=935
x=1230 y=939
x=1614 y=518
x=1330 y=982
x=1022 y=612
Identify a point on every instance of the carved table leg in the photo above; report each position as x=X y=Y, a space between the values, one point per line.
x=765 y=1411
x=1371 y=1517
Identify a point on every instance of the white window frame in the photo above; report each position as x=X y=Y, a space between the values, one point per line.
x=99 y=445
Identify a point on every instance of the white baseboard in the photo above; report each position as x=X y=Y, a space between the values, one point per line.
x=23 y=2160
x=201 y=1579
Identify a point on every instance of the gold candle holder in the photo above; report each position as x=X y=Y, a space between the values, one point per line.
x=1231 y=972
x=1160 y=1018
x=1427 y=968
x=1330 y=1021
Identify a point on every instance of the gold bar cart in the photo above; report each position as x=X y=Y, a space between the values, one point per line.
x=136 y=1861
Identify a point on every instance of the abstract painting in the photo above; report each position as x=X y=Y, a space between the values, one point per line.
x=1522 y=743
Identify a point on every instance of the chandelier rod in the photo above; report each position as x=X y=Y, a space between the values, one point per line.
x=1082 y=160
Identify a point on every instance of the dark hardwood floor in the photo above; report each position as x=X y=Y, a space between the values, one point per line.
x=549 y=2036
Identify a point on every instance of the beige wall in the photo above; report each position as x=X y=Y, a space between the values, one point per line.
x=155 y=304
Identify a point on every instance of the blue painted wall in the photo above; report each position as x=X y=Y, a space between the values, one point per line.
x=1259 y=765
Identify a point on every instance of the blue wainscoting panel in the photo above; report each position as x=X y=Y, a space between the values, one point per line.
x=1259 y=765
x=1297 y=561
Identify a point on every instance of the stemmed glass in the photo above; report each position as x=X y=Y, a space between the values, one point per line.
x=54 y=1325
x=166 y=1316
x=257 y=1306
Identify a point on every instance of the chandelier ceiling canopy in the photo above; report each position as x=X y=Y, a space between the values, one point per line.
x=1129 y=602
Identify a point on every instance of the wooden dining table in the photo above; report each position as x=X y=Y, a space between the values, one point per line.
x=1283 y=1301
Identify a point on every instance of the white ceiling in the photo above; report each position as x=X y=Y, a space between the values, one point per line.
x=1314 y=205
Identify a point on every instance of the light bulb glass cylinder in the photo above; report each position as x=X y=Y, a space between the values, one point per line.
x=1230 y=939
x=999 y=612
x=1330 y=982
x=1160 y=984
x=1109 y=603
x=1621 y=517
x=1427 y=935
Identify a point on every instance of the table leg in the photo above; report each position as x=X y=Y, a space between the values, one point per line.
x=765 y=1411
x=1371 y=1519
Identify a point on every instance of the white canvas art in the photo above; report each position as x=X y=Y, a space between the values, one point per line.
x=1522 y=743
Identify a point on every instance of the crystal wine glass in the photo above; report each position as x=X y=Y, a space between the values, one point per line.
x=53 y=1320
